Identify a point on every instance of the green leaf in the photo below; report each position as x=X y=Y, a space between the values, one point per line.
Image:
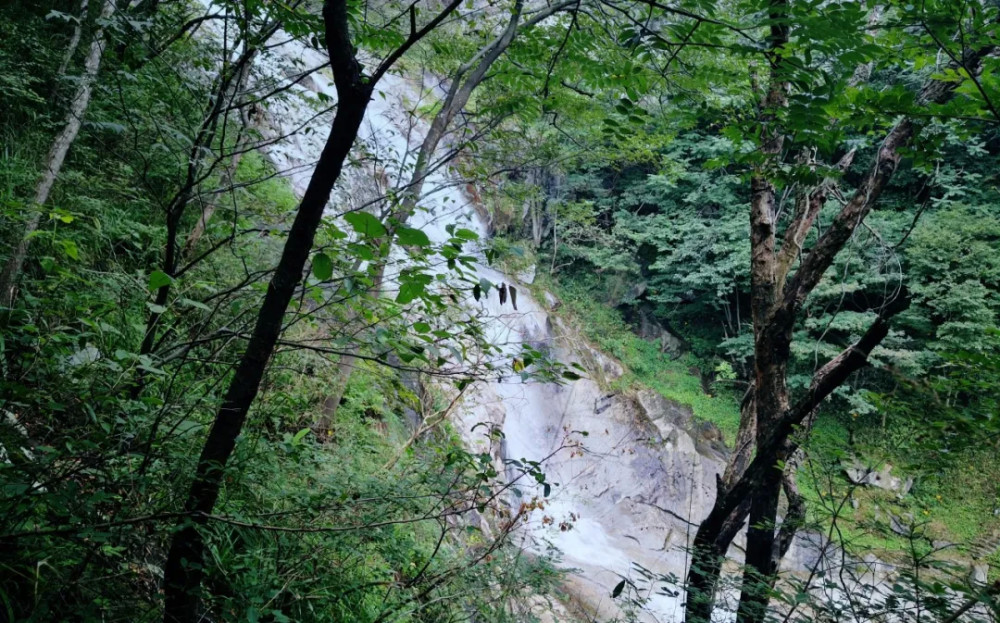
x=158 y=279
x=193 y=303
x=365 y=224
x=409 y=291
x=61 y=215
x=466 y=234
x=361 y=252
x=322 y=267
x=334 y=232
x=421 y=327
x=70 y=249
x=408 y=236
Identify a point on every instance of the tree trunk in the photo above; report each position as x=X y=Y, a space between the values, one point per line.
x=733 y=504
x=183 y=572
x=744 y=444
x=777 y=299
x=57 y=155
x=184 y=567
x=345 y=367
x=760 y=565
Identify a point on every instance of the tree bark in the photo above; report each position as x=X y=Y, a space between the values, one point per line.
x=57 y=155
x=184 y=567
x=768 y=396
x=345 y=367
x=795 y=515
x=744 y=444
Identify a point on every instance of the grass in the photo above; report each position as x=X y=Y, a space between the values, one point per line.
x=645 y=366
x=950 y=503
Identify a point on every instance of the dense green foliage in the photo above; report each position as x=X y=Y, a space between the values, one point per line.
x=612 y=155
x=660 y=236
x=344 y=523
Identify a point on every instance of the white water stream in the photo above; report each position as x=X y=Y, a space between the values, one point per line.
x=601 y=514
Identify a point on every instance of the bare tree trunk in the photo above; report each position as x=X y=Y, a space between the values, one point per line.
x=345 y=368
x=184 y=571
x=57 y=155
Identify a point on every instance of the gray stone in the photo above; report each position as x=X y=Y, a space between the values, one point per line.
x=551 y=302
x=634 y=292
x=860 y=474
x=658 y=407
x=527 y=276
x=902 y=529
x=671 y=344
x=652 y=331
x=980 y=573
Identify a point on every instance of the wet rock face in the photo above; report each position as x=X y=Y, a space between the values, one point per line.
x=660 y=409
x=631 y=474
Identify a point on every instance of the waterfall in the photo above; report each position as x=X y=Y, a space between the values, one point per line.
x=631 y=474
x=604 y=511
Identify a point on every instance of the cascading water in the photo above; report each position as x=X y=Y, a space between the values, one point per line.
x=613 y=505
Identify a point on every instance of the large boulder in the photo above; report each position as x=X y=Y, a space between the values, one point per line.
x=647 y=327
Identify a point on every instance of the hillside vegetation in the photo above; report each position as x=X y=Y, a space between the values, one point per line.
x=241 y=303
